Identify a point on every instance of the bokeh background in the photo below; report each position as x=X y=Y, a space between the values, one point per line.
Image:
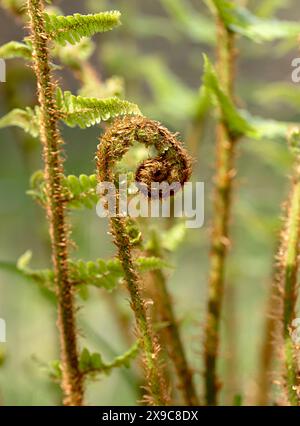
x=157 y=55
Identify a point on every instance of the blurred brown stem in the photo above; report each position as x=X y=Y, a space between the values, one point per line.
x=175 y=348
x=221 y=215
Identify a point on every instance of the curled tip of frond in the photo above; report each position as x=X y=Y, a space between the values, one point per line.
x=172 y=165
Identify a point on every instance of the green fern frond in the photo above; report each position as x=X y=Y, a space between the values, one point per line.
x=43 y=277
x=148 y=264
x=112 y=87
x=108 y=274
x=240 y=20
x=85 y=112
x=14 y=49
x=100 y=273
x=235 y=122
x=174 y=237
x=73 y=28
x=27 y=119
x=78 y=191
x=81 y=191
x=73 y=110
x=92 y=363
x=74 y=55
x=268 y=129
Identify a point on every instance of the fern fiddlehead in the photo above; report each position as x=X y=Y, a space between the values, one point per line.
x=72 y=382
x=172 y=164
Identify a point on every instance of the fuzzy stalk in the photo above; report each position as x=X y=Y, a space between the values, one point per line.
x=226 y=143
x=175 y=348
x=288 y=267
x=72 y=381
x=150 y=345
x=269 y=345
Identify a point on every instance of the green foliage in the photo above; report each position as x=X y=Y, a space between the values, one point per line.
x=73 y=110
x=92 y=363
x=44 y=278
x=73 y=28
x=74 y=55
x=27 y=119
x=282 y=92
x=267 y=128
x=169 y=240
x=241 y=122
x=14 y=49
x=100 y=273
x=189 y=21
x=240 y=20
x=173 y=238
x=294 y=141
x=85 y=112
x=230 y=115
x=108 y=274
x=78 y=191
x=17 y=7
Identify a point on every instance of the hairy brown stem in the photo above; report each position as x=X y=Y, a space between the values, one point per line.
x=267 y=353
x=221 y=216
x=72 y=382
x=149 y=341
x=287 y=279
x=175 y=348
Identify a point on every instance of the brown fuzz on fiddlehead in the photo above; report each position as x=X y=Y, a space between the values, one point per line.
x=172 y=164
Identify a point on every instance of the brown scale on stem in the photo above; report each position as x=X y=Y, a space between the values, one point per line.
x=172 y=164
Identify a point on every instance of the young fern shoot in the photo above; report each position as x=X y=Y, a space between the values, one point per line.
x=170 y=165
x=226 y=142
x=72 y=381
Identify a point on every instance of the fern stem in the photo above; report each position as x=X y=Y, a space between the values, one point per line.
x=175 y=348
x=221 y=216
x=72 y=382
x=267 y=351
x=288 y=267
x=149 y=342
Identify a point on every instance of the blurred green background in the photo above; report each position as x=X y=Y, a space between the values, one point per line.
x=158 y=54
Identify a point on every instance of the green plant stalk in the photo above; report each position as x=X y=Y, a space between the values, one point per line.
x=267 y=351
x=72 y=381
x=150 y=345
x=175 y=348
x=288 y=267
x=174 y=343
x=226 y=143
